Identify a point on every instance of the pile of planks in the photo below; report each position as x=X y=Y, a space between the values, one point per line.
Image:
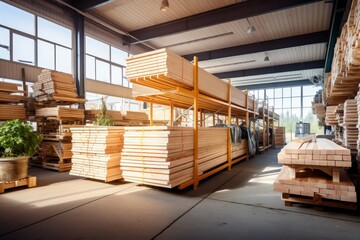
x=318 y=108
x=163 y=156
x=239 y=149
x=330 y=117
x=350 y=121
x=164 y=70
x=11 y=103
x=315 y=169
x=56 y=86
x=54 y=124
x=279 y=133
x=343 y=81
x=97 y=152
x=116 y=116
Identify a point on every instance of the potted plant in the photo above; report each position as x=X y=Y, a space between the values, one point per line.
x=18 y=142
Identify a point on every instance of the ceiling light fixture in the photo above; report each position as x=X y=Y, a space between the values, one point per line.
x=251 y=28
x=266 y=59
x=164 y=5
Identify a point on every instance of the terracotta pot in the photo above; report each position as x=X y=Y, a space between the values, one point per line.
x=14 y=168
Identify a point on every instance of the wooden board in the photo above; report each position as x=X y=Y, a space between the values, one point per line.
x=30 y=181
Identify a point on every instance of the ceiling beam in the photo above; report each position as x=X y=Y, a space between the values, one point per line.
x=272 y=69
x=276 y=85
x=300 y=40
x=84 y=5
x=233 y=12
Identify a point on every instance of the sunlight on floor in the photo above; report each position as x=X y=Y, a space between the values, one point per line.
x=267 y=176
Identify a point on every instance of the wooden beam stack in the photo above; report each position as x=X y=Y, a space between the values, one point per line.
x=96 y=152
x=11 y=103
x=163 y=156
x=280 y=139
x=350 y=121
x=318 y=107
x=330 y=118
x=313 y=169
x=116 y=116
x=54 y=123
x=57 y=87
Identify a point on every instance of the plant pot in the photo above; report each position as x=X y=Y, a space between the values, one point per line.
x=13 y=168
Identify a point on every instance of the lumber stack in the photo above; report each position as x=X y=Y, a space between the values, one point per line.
x=318 y=108
x=279 y=133
x=163 y=156
x=11 y=103
x=116 y=116
x=164 y=70
x=97 y=152
x=54 y=124
x=344 y=78
x=330 y=117
x=350 y=121
x=315 y=169
x=53 y=86
x=239 y=149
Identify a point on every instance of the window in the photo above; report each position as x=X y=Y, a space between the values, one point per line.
x=116 y=75
x=63 y=59
x=90 y=67
x=310 y=90
x=23 y=49
x=97 y=48
x=46 y=55
x=16 y=18
x=278 y=103
x=270 y=93
x=118 y=56
x=4 y=43
x=296 y=91
x=54 y=32
x=278 y=93
x=286 y=102
x=296 y=102
x=307 y=101
x=102 y=71
x=286 y=92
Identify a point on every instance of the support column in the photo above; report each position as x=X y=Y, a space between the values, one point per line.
x=79 y=56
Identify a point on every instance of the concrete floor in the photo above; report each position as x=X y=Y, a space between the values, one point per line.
x=230 y=205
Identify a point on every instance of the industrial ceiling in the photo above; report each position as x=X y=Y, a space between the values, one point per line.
x=253 y=42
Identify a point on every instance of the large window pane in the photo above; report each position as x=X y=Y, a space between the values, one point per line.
x=54 y=32
x=261 y=94
x=23 y=49
x=4 y=43
x=270 y=93
x=286 y=92
x=97 y=48
x=63 y=59
x=116 y=75
x=296 y=113
x=287 y=103
x=296 y=91
x=271 y=102
x=307 y=101
x=278 y=103
x=102 y=71
x=296 y=102
x=310 y=90
x=118 y=56
x=125 y=82
x=16 y=18
x=90 y=67
x=278 y=93
x=46 y=55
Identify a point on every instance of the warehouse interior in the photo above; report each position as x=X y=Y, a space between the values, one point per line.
x=169 y=119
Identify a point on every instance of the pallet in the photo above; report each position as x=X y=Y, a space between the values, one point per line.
x=317 y=200
x=30 y=181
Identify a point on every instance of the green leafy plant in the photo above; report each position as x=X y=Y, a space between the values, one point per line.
x=102 y=119
x=18 y=139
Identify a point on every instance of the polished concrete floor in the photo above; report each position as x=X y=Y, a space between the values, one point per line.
x=237 y=204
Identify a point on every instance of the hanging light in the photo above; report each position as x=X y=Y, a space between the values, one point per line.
x=164 y=5
x=266 y=59
x=251 y=28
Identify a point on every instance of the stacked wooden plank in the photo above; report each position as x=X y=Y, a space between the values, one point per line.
x=11 y=103
x=280 y=139
x=330 y=117
x=350 y=121
x=239 y=149
x=163 y=156
x=97 y=152
x=56 y=86
x=344 y=78
x=315 y=168
x=164 y=70
x=116 y=116
x=318 y=107
x=54 y=124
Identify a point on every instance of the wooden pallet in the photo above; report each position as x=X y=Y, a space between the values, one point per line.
x=30 y=181
x=317 y=200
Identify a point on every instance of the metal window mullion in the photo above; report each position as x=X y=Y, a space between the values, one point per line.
x=11 y=47
x=36 y=42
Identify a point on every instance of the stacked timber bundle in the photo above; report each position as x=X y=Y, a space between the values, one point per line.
x=344 y=78
x=313 y=172
x=330 y=117
x=279 y=133
x=54 y=124
x=165 y=71
x=163 y=156
x=116 y=116
x=96 y=152
x=318 y=108
x=53 y=86
x=11 y=103
x=350 y=121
